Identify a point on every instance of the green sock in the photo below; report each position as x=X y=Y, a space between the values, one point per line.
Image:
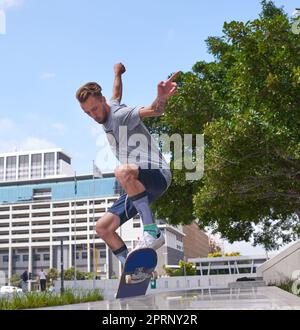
x=152 y=229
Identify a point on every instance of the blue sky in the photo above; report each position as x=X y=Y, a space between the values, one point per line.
x=52 y=47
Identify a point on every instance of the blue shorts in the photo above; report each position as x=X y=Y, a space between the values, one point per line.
x=155 y=184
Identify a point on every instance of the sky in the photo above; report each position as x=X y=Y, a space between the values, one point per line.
x=52 y=47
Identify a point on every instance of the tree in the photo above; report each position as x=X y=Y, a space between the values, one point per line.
x=52 y=275
x=246 y=103
x=185 y=268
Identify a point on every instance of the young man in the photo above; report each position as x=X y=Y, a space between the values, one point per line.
x=144 y=176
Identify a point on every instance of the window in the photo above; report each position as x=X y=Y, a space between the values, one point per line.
x=16 y=258
x=49 y=167
x=1 y=169
x=5 y=258
x=36 y=166
x=84 y=255
x=23 y=167
x=25 y=257
x=46 y=257
x=36 y=257
x=11 y=168
x=102 y=254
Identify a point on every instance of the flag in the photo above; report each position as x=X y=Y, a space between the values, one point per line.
x=96 y=172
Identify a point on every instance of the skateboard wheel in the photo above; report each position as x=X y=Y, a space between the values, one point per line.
x=128 y=279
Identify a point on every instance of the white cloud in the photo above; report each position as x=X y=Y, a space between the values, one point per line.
x=5 y=4
x=48 y=75
x=34 y=143
x=6 y=124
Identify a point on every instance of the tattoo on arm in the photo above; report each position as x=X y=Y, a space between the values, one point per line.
x=159 y=106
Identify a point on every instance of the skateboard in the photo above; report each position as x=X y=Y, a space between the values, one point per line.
x=137 y=273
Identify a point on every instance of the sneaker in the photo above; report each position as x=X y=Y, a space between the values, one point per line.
x=148 y=241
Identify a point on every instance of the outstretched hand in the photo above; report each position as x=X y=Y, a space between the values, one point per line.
x=168 y=88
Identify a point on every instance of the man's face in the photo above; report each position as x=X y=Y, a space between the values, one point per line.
x=96 y=108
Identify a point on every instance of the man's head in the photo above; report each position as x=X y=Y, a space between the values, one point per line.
x=93 y=102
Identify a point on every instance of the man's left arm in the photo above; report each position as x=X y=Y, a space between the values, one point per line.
x=166 y=89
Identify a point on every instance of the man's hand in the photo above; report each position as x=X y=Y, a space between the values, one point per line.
x=119 y=69
x=118 y=85
x=165 y=90
x=168 y=88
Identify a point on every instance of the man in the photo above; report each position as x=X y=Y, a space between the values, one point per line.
x=144 y=176
x=43 y=280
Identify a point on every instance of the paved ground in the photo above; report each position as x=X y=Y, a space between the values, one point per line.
x=262 y=298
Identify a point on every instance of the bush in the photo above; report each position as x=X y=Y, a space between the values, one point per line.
x=52 y=275
x=188 y=270
x=15 y=280
x=39 y=300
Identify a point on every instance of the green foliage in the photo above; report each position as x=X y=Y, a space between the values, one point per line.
x=288 y=286
x=215 y=255
x=185 y=268
x=52 y=275
x=39 y=300
x=219 y=254
x=232 y=254
x=246 y=103
x=15 y=280
x=69 y=274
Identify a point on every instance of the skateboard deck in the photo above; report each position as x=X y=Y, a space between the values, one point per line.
x=137 y=273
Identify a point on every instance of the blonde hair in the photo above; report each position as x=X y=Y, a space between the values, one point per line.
x=89 y=89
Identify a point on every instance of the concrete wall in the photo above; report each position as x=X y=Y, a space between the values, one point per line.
x=281 y=267
x=110 y=287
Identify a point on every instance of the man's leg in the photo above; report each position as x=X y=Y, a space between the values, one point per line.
x=106 y=229
x=127 y=176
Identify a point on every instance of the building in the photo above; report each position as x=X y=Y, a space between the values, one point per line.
x=41 y=204
x=246 y=265
x=20 y=166
x=195 y=242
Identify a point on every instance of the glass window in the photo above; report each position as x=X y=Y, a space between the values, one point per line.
x=36 y=166
x=84 y=255
x=46 y=257
x=36 y=257
x=16 y=258
x=102 y=254
x=23 y=167
x=1 y=169
x=49 y=166
x=11 y=168
x=5 y=258
x=25 y=257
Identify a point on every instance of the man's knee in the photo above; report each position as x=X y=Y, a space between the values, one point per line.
x=124 y=173
x=107 y=225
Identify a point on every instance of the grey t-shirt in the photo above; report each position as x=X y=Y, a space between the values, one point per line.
x=131 y=141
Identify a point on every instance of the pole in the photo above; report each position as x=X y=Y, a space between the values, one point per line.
x=75 y=234
x=94 y=245
x=62 y=266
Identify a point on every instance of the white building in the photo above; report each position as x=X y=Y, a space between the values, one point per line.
x=38 y=164
x=246 y=265
x=38 y=210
